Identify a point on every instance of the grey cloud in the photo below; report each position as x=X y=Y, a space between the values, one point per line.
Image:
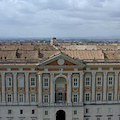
x=73 y=16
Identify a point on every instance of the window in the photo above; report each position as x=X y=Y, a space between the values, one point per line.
x=99 y=96
x=46 y=82
x=75 y=98
x=9 y=111
x=33 y=97
x=86 y=110
x=110 y=80
x=75 y=112
x=21 y=81
x=110 y=97
x=98 y=119
x=60 y=96
x=119 y=95
x=9 y=97
x=10 y=118
x=75 y=81
x=109 y=118
x=86 y=118
x=87 y=97
x=46 y=98
x=109 y=110
x=21 y=97
x=99 y=81
x=33 y=111
x=32 y=81
x=9 y=81
x=21 y=111
x=87 y=81
x=98 y=110
x=119 y=118
x=46 y=112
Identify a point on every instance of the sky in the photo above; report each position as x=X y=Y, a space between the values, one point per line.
x=59 y=18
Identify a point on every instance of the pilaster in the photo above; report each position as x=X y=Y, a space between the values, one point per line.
x=52 y=88
x=15 y=87
x=105 y=86
x=27 y=87
x=81 y=87
x=116 y=85
x=69 y=88
x=40 y=88
x=93 y=86
x=3 y=87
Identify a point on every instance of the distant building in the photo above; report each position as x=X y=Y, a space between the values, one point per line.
x=53 y=41
x=39 y=82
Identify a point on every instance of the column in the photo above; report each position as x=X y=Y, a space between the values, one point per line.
x=105 y=85
x=40 y=89
x=81 y=87
x=15 y=87
x=93 y=86
x=3 y=87
x=116 y=86
x=27 y=87
x=69 y=88
x=52 y=88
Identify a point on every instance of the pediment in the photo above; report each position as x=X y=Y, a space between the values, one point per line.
x=62 y=60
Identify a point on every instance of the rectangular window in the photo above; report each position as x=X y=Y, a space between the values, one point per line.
x=21 y=81
x=46 y=112
x=99 y=81
x=9 y=97
x=9 y=81
x=21 y=111
x=86 y=118
x=75 y=112
x=46 y=98
x=98 y=119
x=110 y=97
x=75 y=98
x=109 y=110
x=109 y=118
x=33 y=111
x=119 y=95
x=75 y=81
x=86 y=110
x=46 y=82
x=9 y=111
x=33 y=97
x=32 y=81
x=87 y=97
x=99 y=96
x=98 y=110
x=87 y=81
x=21 y=97
x=110 y=80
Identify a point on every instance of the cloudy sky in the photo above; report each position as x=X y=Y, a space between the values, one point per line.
x=59 y=18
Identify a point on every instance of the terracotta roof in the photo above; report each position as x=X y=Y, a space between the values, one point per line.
x=85 y=54
x=112 y=54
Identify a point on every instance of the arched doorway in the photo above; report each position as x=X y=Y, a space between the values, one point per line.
x=60 y=90
x=60 y=115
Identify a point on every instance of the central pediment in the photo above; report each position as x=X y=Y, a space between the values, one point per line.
x=62 y=60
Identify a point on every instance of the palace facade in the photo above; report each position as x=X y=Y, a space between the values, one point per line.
x=45 y=83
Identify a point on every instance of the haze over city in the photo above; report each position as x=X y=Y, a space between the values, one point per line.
x=64 y=18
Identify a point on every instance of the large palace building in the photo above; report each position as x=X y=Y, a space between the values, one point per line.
x=43 y=81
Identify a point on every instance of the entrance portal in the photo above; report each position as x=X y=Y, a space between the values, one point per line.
x=60 y=115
